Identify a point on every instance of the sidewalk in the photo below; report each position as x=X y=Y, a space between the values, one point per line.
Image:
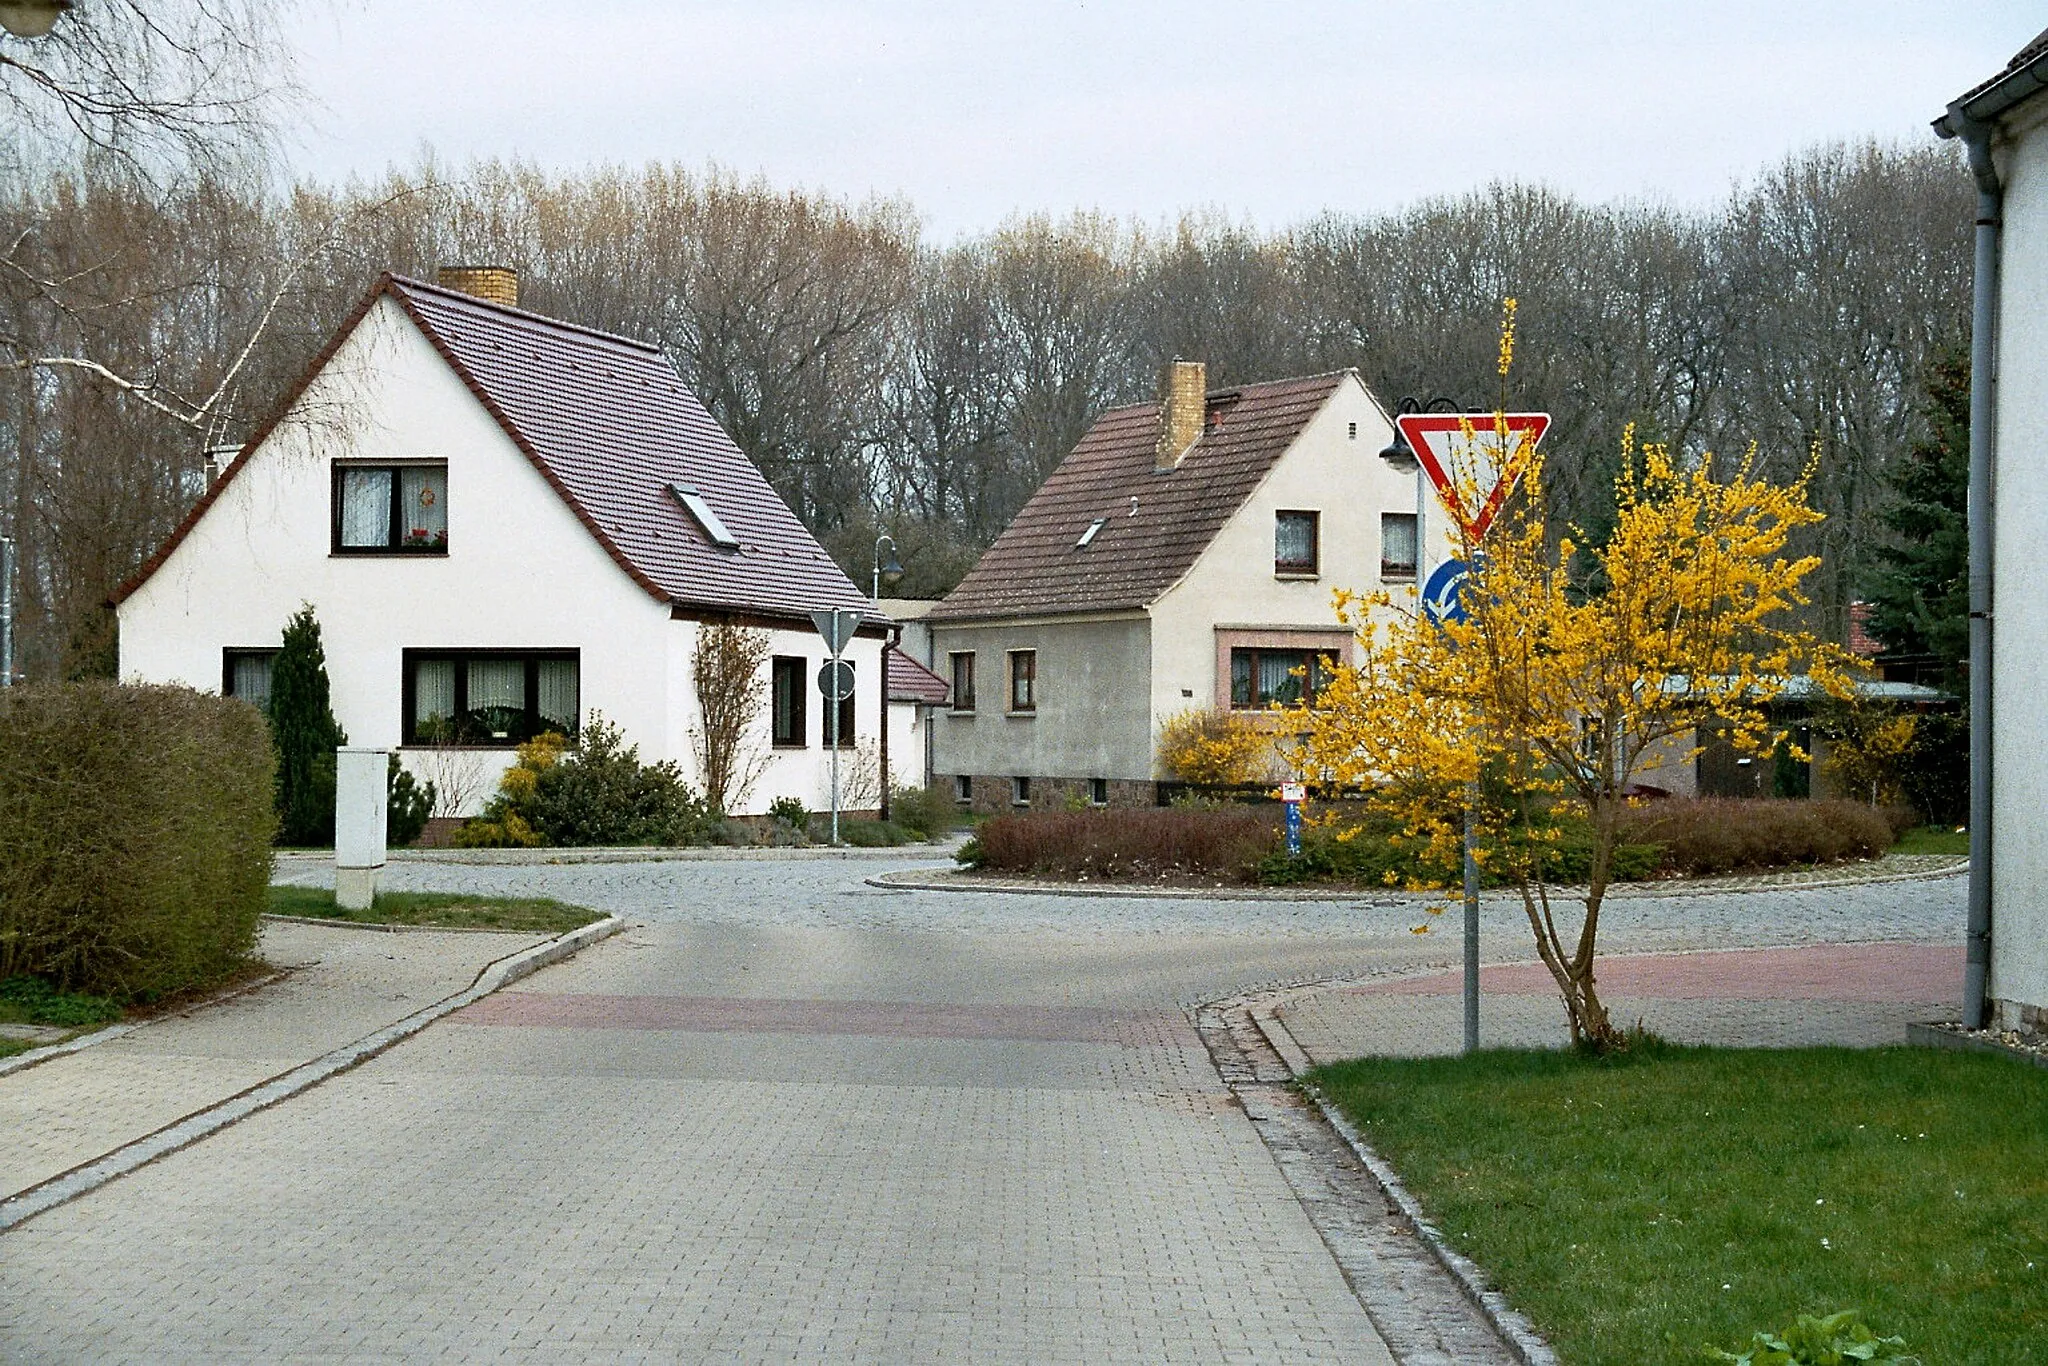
x=1856 y=995
x=344 y=984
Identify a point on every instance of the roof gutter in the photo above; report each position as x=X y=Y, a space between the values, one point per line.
x=1969 y=120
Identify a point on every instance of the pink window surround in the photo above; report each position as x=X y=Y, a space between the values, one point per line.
x=1334 y=638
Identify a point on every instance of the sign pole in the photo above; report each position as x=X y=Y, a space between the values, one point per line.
x=1435 y=440
x=834 y=714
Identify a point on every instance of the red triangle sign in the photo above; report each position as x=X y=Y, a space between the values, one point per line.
x=1474 y=460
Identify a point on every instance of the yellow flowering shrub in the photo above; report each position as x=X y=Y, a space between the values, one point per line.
x=1201 y=745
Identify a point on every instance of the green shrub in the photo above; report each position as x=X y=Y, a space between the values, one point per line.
x=925 y=811
x=791 y=812
x=306 y=734
x=407 y=805
x=873 y=834
x=135 y=831
x=34 y=1001
x=1842 y=1339
x=596 y=792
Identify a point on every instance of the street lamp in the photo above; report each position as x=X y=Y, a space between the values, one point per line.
x=890 y=573
x=31 y=18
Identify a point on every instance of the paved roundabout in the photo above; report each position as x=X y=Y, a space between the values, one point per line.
x=794 y=1116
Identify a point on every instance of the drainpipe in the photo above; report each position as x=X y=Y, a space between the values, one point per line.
x=1976 y=137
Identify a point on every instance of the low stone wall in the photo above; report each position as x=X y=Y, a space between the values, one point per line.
x=997 y=794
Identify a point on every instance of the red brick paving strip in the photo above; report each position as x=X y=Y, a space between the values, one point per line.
x=1821 y=972
x=748 y=1015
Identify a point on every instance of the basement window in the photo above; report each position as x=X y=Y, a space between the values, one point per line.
x=687 y=495
x=1094 y=528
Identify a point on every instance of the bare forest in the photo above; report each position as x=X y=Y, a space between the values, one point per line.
x=884 y=382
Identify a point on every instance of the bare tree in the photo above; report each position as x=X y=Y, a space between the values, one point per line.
x=727 y=675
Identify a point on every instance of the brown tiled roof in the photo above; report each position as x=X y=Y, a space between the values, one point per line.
x=910 y=681
x=1035 y=566
x=2024 y=57
x=610 y=425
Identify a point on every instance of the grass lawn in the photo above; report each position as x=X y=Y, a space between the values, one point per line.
x=451 y=910
x=1640 y=1208
x=1933 y=839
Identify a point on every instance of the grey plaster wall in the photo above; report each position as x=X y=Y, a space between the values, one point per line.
x=1094 y=694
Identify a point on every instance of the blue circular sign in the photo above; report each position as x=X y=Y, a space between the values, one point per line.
x=1443 y=596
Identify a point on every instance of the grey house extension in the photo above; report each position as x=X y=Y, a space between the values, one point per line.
x=1183 y=556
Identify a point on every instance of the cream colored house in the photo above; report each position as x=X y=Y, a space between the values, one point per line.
x=1184 y=555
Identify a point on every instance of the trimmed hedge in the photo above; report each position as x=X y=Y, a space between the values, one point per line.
x=1709 y=835
x=1127 y=842
x=135 y=830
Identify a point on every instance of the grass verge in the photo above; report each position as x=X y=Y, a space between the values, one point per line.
x=446 y=910
x=1640 y=1208
x=1933 y=839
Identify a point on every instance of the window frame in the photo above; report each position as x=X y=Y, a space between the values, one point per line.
x=410 y=660
x=963 y=788
x=396 y=545
x=1299 y=569
x=963 y=698
x=1029 y=677
x=1311 y=655
x=797 y=669
x=1020 y=791
x=1390 y=569
x=1098 y=792
x=230 y=656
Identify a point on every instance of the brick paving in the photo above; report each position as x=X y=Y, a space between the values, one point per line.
x=794 y=1117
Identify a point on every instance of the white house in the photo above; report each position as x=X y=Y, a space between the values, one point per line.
x=1183 y=556
x=504 y=524
x=2004 y=124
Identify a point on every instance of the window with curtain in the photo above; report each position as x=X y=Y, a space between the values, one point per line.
x=490 y=697
x=963 y=680
x=246 y=674
x=1294 y=542
x=787 y=702
x=1260 y=677
x=383 y=509
x=1397 y=545
x=1023 y=680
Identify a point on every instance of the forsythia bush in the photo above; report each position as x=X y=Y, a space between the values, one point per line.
x=1204 y=746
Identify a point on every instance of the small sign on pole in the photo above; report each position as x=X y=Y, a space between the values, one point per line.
x=835 y=681
x=1292 y=795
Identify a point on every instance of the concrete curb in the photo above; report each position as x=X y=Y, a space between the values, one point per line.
x=66 y=1186
x=1952 y=1040
x=1514 y=1328
x=325 y=923
x=954 y=880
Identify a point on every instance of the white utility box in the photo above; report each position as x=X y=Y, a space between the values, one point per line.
x=359 y=810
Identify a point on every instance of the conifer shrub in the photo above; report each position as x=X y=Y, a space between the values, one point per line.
x=135 y=834
x=408 y=805
x=592 y=792
x=303 y=727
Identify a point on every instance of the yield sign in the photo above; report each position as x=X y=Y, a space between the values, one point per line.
x=1473 y=464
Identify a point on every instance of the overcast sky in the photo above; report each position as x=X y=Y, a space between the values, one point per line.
x=975 y=109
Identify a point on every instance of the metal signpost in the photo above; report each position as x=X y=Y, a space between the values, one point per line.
x=835 y=682
x=1473 y=471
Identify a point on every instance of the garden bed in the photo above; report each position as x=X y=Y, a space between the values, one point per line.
x=1643 y=1207
x=438 y=910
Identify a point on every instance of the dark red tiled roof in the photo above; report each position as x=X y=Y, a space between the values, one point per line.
x=610 y=425
x=1035 y=565
x=910 y=681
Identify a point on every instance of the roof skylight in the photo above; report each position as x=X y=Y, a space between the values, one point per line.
x=687 y=495
x=1093 y=527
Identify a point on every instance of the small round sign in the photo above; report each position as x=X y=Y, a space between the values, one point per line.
x=835 y=679
x=1443 y=596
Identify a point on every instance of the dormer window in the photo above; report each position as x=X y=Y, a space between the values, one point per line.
x=391 y=509
x=693 y=501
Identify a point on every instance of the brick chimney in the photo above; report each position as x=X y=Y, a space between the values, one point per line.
x=493 y=284
x=1183 y=390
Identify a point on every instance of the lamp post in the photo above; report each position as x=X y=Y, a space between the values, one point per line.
x=1396 y=453
x=31 y=18
x=892 y=571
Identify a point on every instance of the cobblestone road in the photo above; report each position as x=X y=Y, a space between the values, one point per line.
x=794 y=1117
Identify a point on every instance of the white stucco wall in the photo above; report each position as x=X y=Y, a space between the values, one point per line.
x=2019 y=949
x=520 y=573
x=1233 y=587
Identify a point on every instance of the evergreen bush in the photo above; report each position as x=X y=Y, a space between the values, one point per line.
x=303 y=727
x=135 y=831
x=407 y=805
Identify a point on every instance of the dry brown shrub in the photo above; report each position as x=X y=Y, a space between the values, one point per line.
x=1132 y=843
x=1710 y=835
